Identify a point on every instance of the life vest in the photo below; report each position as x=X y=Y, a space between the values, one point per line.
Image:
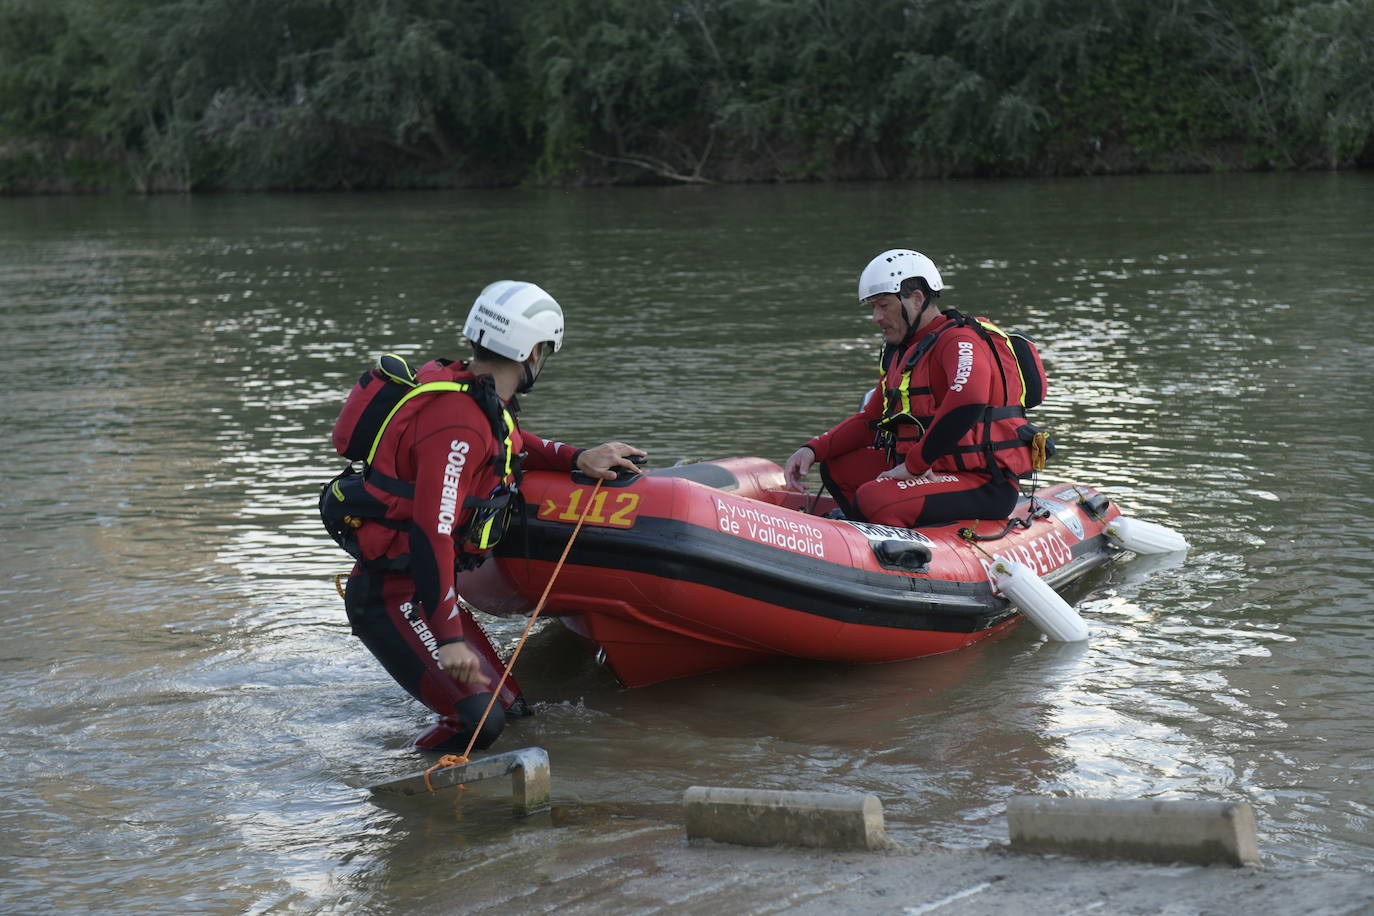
x=1003 y=440
x=367 y=495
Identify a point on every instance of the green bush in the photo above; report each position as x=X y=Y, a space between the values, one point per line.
x=200 y=94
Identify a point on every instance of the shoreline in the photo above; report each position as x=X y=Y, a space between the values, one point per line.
x=606 y=863
x=50 y=186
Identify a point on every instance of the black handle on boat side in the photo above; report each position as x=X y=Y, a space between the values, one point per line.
x=909 y=556
x=623 y=476
x=1096 y=506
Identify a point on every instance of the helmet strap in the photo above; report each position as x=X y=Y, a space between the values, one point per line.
x=528 y=376
x=911 y=320
x=530 y=369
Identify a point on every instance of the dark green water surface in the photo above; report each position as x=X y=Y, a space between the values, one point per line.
x=186 y=719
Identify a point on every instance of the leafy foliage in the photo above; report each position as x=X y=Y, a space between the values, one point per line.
x=1324 y=54
x=188 y=94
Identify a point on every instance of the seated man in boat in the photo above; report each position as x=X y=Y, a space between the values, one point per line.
x=945 y=437
x=443 y=467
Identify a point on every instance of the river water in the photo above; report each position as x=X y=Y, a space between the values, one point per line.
x=187 y=722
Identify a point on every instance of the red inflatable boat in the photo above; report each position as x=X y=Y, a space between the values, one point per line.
x=711 y=565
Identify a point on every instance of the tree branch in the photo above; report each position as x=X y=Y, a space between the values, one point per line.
x=657 y=166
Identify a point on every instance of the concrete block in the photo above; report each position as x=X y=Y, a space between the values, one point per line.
x=770 y=817
x=527 y=767
x=1200 y=832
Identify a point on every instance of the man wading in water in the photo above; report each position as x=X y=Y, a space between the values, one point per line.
x=435 y=498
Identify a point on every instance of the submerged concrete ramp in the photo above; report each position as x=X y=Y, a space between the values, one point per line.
x=632 y=860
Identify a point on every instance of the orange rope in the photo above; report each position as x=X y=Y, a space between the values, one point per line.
x=496 y=691
x=338 y=586
x=446 y=761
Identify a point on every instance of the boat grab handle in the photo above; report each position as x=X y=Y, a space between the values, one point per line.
x=905 y=555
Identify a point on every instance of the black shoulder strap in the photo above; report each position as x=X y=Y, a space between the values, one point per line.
x=483 y=391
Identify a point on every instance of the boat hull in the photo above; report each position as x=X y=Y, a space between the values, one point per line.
x=714 y=565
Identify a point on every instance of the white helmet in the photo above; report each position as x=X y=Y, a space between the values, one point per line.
x=510 y=318
x=885 y=273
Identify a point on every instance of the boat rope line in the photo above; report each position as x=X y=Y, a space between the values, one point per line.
x=973 y=538
x=1034 y=510
x=456 y=759
x=338 y=584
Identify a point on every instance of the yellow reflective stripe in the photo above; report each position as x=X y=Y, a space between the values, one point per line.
x=903 y=389
x=1012 y=350
x=422 y=389
x=482 y=537
x=510 y=432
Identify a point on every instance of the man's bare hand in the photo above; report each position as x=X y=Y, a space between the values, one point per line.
x=797 y=467
x=604 y=459
x=459 y=662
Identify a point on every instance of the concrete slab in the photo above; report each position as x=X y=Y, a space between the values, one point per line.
x=770 y=817
x=1148 y=830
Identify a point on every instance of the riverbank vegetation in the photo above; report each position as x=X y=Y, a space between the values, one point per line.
x=187 y=95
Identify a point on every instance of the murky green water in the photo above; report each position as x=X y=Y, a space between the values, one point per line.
x=186 y=720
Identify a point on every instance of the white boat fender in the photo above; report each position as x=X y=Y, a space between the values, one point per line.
x=1051 y=613
x=1145 y=537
